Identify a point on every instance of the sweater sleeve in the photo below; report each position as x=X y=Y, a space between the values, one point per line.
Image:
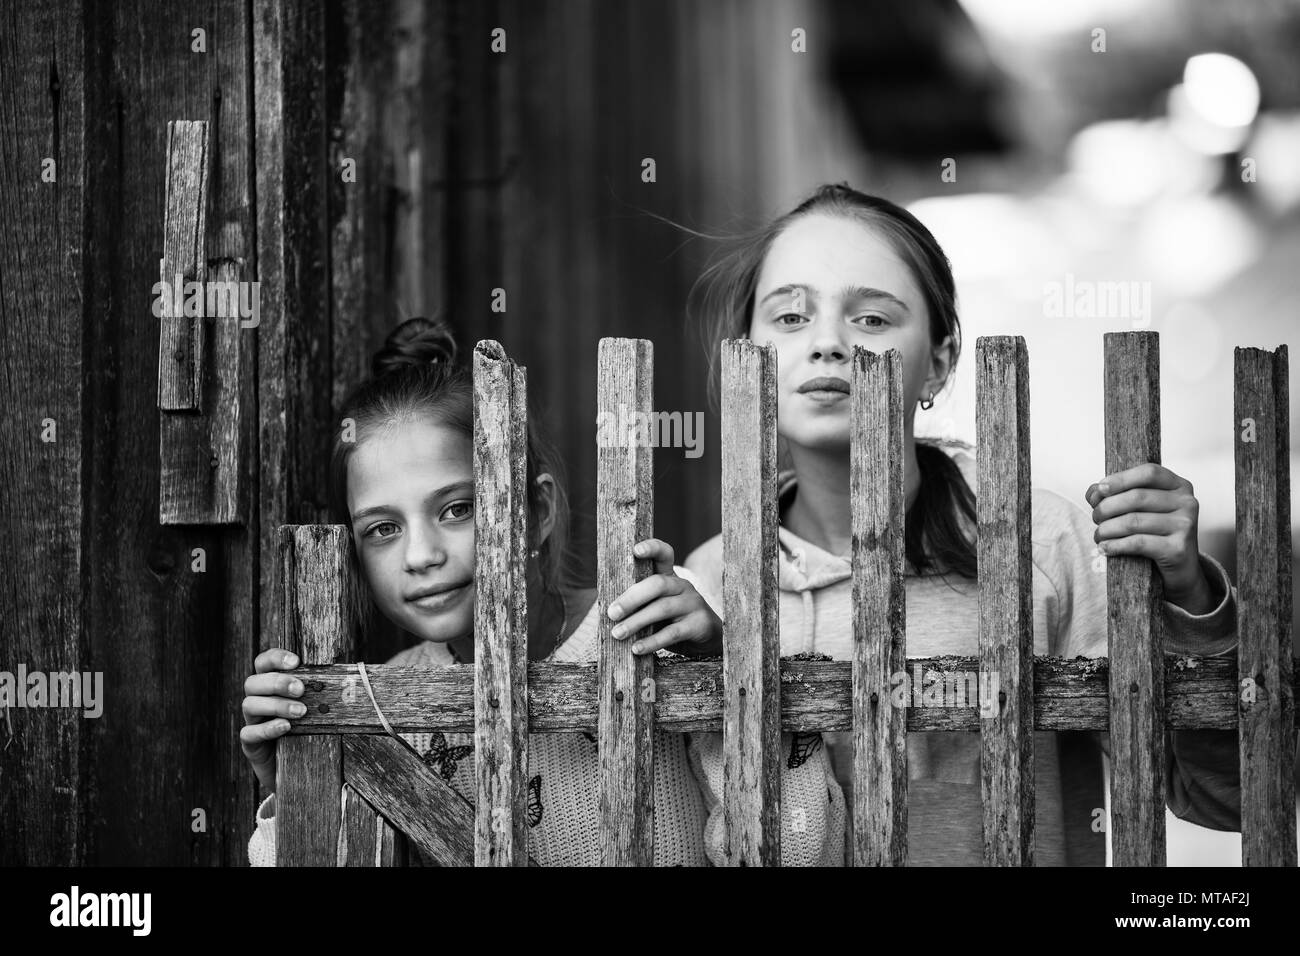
x=1202 y=772
x=261 y=846
x=703 y=568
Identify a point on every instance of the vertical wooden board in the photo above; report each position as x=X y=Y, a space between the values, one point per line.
x=44 y=799
x=366 y=838
x=478 y=169
x=500 y=608
x=308 y=368
x=314 y=592
x=408 y=109
x=230 y=245
x=879 y=610
x=308 y=820
x=1135 y=621
x=184 y=260
x=294 y=376
x=624 y=516
x=1266 y=702
x=1006 y=600
x=358 y=836
x=268 y=137
x=361 y=41
x=200 y=456
x=422 y=158
x=751 y=665
x=394 y=849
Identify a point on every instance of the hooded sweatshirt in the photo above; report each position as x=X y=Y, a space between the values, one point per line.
x=945 y=816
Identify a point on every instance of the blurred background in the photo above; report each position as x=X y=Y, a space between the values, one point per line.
x=501 y=144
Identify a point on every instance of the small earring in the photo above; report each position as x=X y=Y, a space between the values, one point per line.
x=928 y=403
x=533 y=553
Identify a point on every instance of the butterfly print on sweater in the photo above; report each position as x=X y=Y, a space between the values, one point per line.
x=535 y=801
x=443 y=758
x=803 y=746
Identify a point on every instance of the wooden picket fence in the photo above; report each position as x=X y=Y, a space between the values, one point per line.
x=751 y=696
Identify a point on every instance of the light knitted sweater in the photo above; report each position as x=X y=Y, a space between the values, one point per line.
x=563 y=769
x=944 y=804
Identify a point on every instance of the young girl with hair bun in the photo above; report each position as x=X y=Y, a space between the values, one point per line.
x=405 y=487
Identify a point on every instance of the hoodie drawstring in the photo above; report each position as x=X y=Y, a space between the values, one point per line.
x=808 y=617
x=800 y=561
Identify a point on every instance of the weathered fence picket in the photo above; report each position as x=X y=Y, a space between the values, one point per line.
x=627 y=689
x=317 y=626
x=1261 y=413
x=500 y=608
x=879 y=798
x=751 y=696
x=1135 y=618
x=751 y=660
x=1006 y=600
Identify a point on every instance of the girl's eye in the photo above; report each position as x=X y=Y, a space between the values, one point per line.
x=458 y=510
x=874 y=320
x=795 y=316
x=374 y=531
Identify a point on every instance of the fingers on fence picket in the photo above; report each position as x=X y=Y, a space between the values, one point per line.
x=1006 y=606
x=879 y=818
x=1135 y=621
x=624 y=516
x=317 y=624
x=751 y=710
x=500 y=608
x=1266 y=697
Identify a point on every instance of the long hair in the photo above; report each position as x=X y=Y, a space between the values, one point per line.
x=934 y=537
x=416 y=374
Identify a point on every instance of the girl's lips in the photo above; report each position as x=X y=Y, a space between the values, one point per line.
x=825 y=396
x=436 y=602
x=825 y=384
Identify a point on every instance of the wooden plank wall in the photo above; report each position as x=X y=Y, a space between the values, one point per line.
x=43 y=785
x=474 y=171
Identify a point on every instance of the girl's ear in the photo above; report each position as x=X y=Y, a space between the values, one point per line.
x=544 y=485
x=940 y=365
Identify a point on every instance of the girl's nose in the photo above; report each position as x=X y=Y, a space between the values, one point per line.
x=827 y=342
x=423 y=550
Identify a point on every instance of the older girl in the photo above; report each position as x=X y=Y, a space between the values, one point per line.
x=845 y=269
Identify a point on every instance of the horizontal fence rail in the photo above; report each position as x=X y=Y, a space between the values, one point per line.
x=1136 y=695
x=815 y=695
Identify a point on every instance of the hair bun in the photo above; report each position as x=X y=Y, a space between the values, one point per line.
x=417 y=341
